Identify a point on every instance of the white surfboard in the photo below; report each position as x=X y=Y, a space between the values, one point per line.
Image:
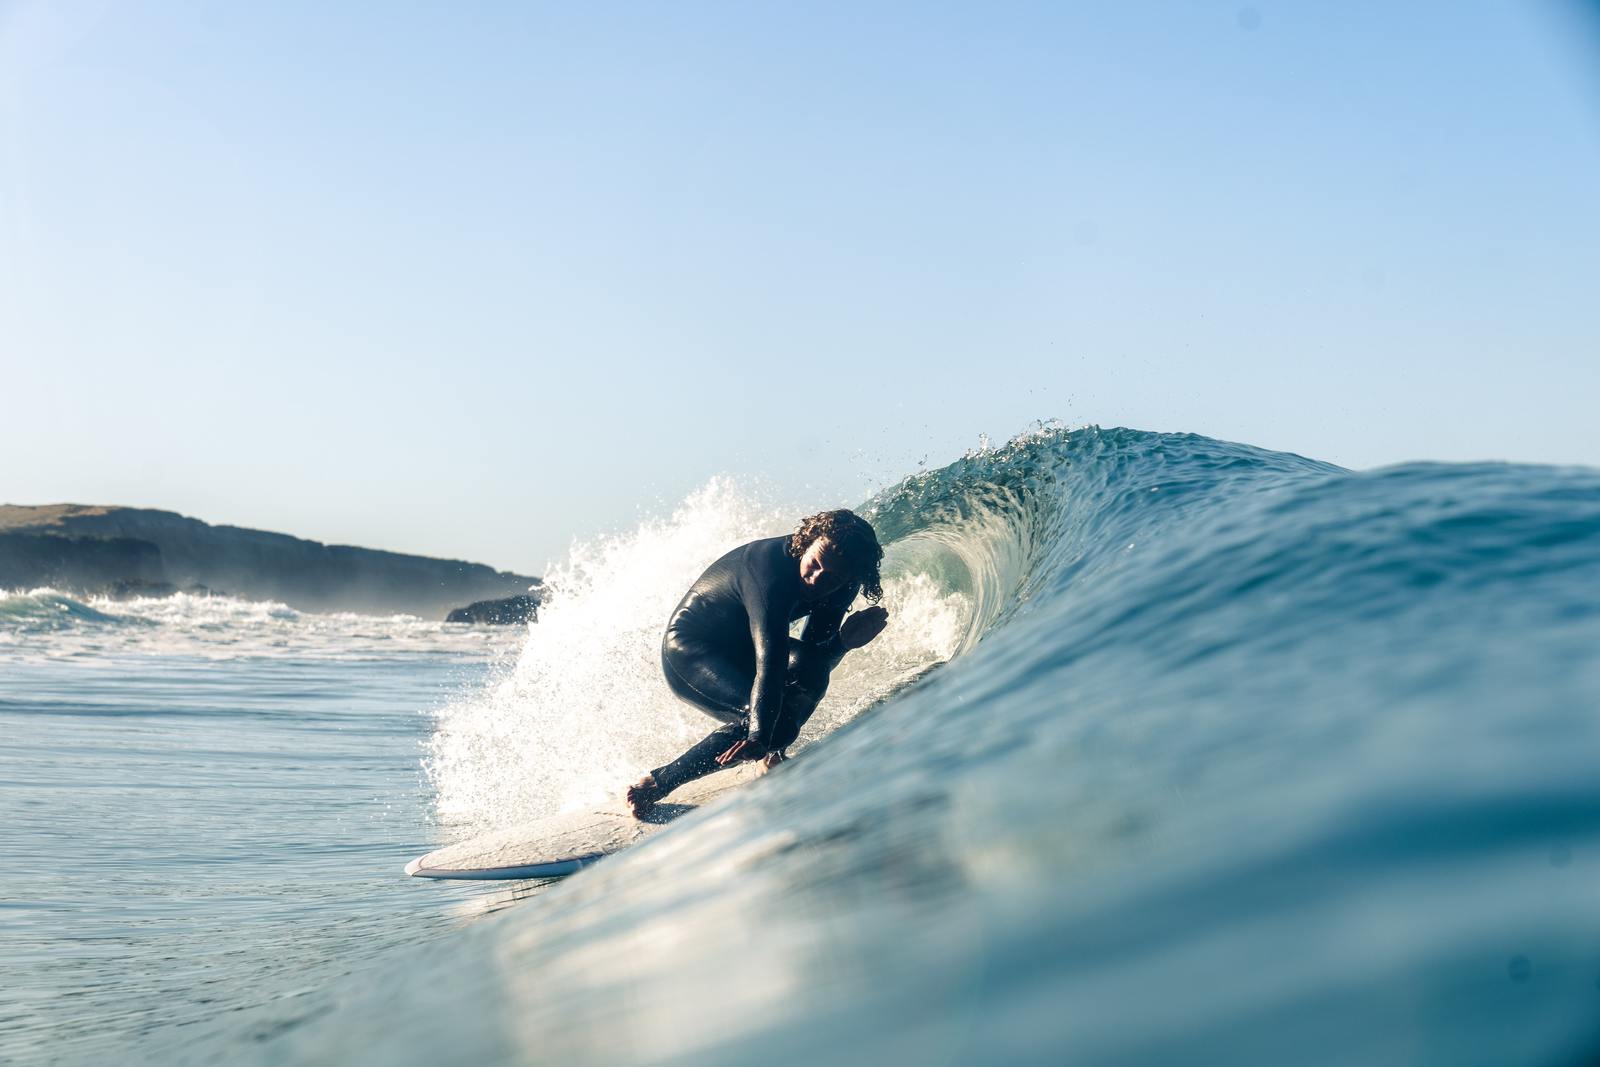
x=563 y=844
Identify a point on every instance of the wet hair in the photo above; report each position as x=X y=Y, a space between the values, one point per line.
x=853 y=538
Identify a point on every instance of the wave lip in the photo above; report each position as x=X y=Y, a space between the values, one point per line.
x=1004 y=523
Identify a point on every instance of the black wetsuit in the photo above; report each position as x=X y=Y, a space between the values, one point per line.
x=727 y=651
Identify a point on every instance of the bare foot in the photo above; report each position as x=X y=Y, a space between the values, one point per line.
x=769 y=761
x=642 y=795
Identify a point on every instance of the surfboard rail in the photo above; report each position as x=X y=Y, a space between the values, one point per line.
x=564 y=844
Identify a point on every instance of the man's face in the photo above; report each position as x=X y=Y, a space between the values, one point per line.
x=821 y=569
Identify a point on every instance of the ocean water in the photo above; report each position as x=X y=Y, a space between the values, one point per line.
x=1175 y=750
x=203 y=801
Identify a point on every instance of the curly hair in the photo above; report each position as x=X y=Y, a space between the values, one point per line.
x=852 y=537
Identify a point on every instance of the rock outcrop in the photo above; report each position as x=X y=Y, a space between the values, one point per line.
x=104 y=549
x=507 y=611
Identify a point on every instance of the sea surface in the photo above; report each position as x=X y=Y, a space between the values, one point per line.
x=1176 y=750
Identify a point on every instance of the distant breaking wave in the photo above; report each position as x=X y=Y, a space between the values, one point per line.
x=50 y=624
x=48 y=610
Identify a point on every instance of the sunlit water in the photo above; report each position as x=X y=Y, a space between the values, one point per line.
x=204 y=805
x=1178 y=750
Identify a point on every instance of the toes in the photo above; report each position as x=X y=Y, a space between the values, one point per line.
x=641 y=797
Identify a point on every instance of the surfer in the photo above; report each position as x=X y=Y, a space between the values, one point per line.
x=727 y=649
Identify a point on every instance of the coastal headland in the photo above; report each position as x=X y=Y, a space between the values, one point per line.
x=95 y=549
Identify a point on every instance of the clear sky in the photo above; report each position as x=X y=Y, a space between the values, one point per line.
x=475 y=279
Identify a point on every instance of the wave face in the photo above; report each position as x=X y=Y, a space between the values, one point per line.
x=1233 y=756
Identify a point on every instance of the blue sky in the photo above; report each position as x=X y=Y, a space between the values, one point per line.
x=473 y=280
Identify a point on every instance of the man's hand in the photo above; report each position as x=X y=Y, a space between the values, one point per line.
x=740 y=751
x=863 y=626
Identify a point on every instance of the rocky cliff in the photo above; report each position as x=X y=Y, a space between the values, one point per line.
x=96 y=549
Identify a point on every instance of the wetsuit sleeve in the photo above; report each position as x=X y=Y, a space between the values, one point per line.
x=822 y=627
x=769 y=631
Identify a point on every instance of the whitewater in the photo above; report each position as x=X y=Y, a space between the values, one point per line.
x=1175 y=749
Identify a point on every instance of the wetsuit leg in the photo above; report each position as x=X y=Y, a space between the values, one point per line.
x=700 y=760
x=806 y=684
x=717 y=685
